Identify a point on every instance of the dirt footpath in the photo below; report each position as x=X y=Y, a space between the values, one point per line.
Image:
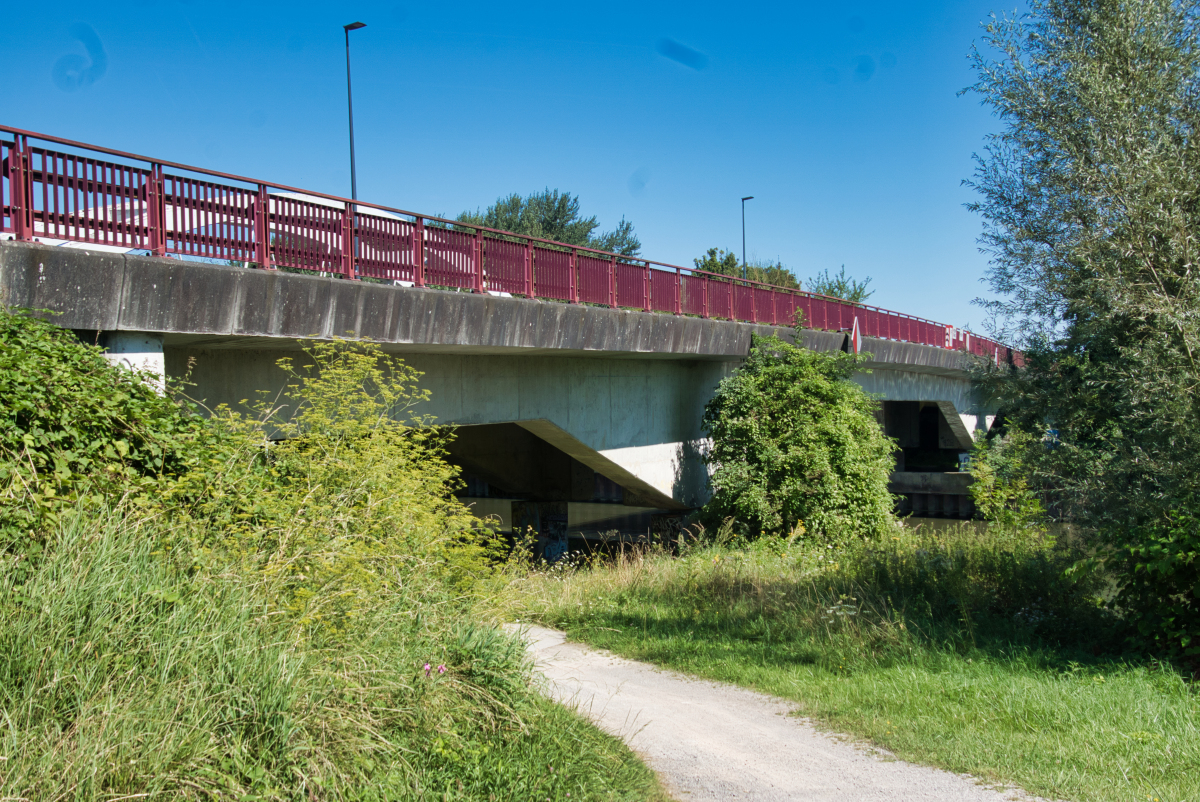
x=711 y=742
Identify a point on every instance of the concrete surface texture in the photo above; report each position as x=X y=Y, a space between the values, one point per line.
x=220 y=305
x=633 y=420
x=718 y=743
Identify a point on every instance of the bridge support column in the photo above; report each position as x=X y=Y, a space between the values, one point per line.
x=138 y=351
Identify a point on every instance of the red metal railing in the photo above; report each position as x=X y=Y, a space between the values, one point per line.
x=89 y=194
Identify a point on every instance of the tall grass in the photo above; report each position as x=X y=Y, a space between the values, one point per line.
x=969 y=649
x=250 y=619
x=124 y=677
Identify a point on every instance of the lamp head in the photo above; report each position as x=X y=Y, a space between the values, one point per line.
x=354 y=26
x=748 y=197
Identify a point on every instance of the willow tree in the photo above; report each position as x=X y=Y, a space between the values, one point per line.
x=1090 y=196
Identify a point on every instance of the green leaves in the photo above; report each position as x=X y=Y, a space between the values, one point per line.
x=796 y=445
x=554 y=215
x=840 y=286
x=1091 y=215
x=1000 y=485
x=74 y=428
x=725 y=263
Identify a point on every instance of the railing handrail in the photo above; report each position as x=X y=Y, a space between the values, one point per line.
x=354 y=205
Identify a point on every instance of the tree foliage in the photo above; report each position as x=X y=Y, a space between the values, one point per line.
x=796 y=446
x=1090 y=196
x=554 y=215
x=725 y=263
x=840 y=286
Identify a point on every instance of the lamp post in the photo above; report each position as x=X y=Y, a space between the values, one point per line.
x=748 y=197
x=354 y=26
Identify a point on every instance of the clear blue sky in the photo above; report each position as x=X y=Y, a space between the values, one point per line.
x=842 y=119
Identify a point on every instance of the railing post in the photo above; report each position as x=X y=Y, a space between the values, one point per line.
x=704 y=279
x=262 y=229
x=572 y=278
x=528 y=268
x=155 y=212
x=646 y=289
x=753 y=306
x=678 y=292
x=478 y=262
x=18 y=184
x=419 y=252
x=612 y=282
x=348 y=241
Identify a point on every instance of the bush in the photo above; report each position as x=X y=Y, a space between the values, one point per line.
x=204 y=611
x=1158 y=569
x=355 y=493
x=1000 y=484
x=75 y=429
x=796 y=447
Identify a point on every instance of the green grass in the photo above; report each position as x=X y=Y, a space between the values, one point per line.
x=121 y=677
x=961 y=649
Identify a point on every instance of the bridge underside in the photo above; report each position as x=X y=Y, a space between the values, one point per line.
x=572 y=418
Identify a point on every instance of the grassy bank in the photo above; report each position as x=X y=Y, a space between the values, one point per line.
x=960 y=648
x=275 y=606
x=120 y=677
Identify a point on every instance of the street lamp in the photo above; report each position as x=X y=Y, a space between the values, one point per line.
x=748 y=197
x=354 y=26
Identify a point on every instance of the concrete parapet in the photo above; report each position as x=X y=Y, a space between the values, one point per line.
x=200 y=304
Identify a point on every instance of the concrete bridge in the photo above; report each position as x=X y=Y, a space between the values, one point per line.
x=577 y=378
x=572 y=417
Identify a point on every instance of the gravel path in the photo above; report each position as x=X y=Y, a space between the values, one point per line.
x=712 y=742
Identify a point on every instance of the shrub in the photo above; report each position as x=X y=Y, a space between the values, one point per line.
x=796 y=446
x=201 y=612
x=1158 y=577
x=75 y=429
x=340 y=490
x=1000 y=484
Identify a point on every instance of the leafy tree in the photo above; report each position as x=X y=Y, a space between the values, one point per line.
x=555 y=216
x=725 y=263
x=1090 y=206
x=840 y=286
x=796 y=446
x=718 y=260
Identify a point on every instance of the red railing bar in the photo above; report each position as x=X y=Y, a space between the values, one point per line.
x=88 y=177
x=395 y=210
